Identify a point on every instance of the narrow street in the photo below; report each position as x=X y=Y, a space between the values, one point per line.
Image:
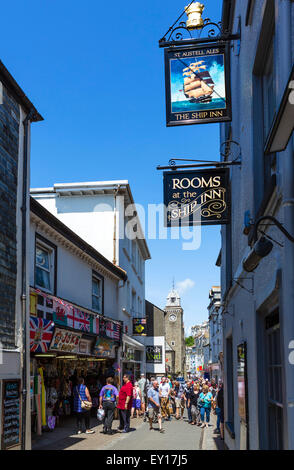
x=178 y=435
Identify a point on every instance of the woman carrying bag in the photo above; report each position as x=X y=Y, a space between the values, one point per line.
x=82 y=406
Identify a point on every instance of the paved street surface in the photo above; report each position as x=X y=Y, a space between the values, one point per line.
x=179 y=435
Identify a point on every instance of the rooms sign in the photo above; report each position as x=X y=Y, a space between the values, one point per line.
x=198 y=197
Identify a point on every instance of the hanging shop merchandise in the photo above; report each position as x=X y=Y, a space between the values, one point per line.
x=197 y=85
x=198 y=197
x=65 y=314
x=67 y=342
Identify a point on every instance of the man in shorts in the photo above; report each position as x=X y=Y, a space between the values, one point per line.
x=154 y=405
x=164 y=392
x=143 y=385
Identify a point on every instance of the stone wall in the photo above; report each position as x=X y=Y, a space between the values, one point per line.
x=9 y=143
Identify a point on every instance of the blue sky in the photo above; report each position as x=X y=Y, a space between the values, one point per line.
x=96 y=74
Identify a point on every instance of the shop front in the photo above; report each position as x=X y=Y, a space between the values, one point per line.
x=132 y=357
x=64 y=348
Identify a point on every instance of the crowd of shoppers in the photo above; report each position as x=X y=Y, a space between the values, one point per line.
x=156 y=402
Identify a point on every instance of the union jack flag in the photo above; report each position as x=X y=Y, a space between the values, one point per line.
x=41 y=332
x=113 y=330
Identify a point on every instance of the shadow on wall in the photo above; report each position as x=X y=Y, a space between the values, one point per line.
x=76 y=204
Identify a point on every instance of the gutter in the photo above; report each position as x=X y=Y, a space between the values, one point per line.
x=24 y=354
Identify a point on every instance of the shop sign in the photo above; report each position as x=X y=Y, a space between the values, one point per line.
x=104 y=348
x=129 y=353
x=154 y=354
x=11 y=409
x=66 y=341
x=197 y=197
x=139 y=327
x=197 y=85
x=85 y=347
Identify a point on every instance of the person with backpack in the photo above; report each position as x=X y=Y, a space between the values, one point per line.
x=107 y=398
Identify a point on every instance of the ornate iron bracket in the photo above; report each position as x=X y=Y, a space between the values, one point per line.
x=236 y=281
x=178 y=34
x=229 y=149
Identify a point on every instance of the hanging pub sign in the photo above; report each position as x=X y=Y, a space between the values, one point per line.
x=197 y=85
x=139 y=326
x=197 y=197
x=154 y=354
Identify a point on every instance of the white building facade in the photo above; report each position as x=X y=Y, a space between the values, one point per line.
x=104 y=215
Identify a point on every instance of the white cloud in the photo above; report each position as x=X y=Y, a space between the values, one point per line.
x=217 y=75
x=188 y=331
x=185 y=285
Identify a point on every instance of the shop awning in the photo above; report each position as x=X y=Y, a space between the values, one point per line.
x=132 y=342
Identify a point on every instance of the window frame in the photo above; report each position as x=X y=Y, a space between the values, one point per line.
x=263 y=165
x=100 y=278
x=47 y=245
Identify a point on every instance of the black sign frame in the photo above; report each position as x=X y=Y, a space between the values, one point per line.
x=17 y=383
x=206 y=115
x=219 y=218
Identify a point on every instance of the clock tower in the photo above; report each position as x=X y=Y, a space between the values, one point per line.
x=174 y=331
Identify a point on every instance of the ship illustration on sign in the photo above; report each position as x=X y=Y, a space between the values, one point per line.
x=198 y=84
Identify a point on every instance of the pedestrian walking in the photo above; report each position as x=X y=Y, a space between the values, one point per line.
x=137 y=399
x=154 y=406
x=107 y=400
x=187 y=394
x=125 y=404
x=205 y=400
x=195 y=411
x=219 y=410
x=82 y=406
x=179 y=399
x=143 y=383
x=164 y=392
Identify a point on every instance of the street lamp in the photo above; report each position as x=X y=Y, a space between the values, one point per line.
x=262 y=248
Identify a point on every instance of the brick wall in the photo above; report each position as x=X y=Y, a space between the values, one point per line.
x=9 y=141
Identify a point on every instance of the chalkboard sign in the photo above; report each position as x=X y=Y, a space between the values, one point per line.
x=11 y=413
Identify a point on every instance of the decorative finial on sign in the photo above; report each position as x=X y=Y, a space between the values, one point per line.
x=194 y=13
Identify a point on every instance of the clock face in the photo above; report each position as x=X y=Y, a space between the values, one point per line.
x=172 y=317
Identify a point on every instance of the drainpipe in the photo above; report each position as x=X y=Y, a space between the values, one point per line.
x=24 y=350
x=287 y=164
x=114 y=226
